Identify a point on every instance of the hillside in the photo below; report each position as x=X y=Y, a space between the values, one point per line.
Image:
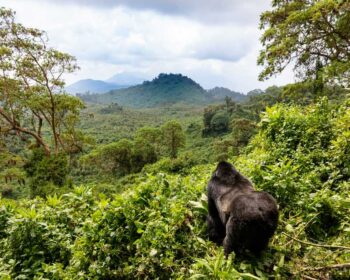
x=219 y=93
x=164 y=90
x=156 y=229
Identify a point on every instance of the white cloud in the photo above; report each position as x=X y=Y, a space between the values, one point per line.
x=154 y=36
x=206 y=11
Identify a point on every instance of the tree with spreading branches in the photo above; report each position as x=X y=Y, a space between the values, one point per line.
x=33 y=103
x=311 y=34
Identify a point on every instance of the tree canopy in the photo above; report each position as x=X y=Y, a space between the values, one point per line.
x=173 y=137
x=33 y=104
x=311 y=34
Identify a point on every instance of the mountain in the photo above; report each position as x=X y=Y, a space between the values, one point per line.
x=93 y=86
x=255 y=92
x=219 y=93
x=164 y=90
x=118 y=81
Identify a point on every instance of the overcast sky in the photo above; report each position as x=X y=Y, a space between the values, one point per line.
x=215 y=42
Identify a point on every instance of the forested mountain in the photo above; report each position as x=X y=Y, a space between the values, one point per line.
x=219 y=93
x=164 y=90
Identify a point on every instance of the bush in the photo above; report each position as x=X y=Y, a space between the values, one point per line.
x=293 y=154
x=47 y=173
x=219 y=122
x=180 y=165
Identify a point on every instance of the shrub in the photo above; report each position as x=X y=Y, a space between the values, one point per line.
x=47 y=173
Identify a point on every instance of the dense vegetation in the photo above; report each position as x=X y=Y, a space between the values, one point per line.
x=156 y=228
x=164 y=90
x=313 y=35
x=104 y=191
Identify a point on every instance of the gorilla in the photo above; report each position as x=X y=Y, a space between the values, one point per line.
x=239 y=217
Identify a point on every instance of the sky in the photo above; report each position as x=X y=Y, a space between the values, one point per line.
x=214 y=42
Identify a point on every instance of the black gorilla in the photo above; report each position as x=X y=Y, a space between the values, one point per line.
x=239 y=217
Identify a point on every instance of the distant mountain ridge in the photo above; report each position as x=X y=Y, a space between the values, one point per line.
x=219 y=93
x=118 y=81
x=164 y=90
x=92 y=86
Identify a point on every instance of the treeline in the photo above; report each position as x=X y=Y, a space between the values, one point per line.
x=233 y=124
x=129 y=156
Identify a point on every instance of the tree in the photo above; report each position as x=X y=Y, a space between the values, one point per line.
x=313 y=34
x=119 y=154
x=10 y=169
x=32 y=97
x=149 y=136
x=115 y=158
x=48 y=174
x=146 y=147
x=242 y=131
x=220 y=122
x=173 y=137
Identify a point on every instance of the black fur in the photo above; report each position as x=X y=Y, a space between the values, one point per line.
x=239 y=217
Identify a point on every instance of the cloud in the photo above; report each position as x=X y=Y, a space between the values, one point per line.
x=228 y=43
x=207 y=11
x=110 y=37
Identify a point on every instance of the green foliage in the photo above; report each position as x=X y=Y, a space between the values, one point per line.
x=39 y=233
x=111 y=108
x=300 y=149
x=12 y=175
x=164 y=90
x=108 y=128
x=115 y=158
x=147 y=147
x=242 y=131
x=313 y=34
x=124 y=156
x=156 y=227
x=179 y=165
x=145 y=233
x=32 y=100
x=220 y=93
x=216 y=121
x=217 y=267
x=220 y=122
x=48 y=174
x=173 y=137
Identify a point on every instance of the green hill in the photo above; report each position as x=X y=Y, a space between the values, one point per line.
x=164 y=90
x=219 y=93
x=156 y=228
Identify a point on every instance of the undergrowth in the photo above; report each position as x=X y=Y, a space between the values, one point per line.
x=156 y=228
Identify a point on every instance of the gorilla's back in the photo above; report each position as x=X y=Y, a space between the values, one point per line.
x=253 y=220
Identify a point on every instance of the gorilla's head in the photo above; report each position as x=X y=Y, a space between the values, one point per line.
x=225 y=172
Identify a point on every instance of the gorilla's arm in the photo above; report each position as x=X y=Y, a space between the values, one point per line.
x=216 y=229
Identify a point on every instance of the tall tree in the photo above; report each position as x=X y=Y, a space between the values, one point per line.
x=173 y=137
x=311 y=34
x=32 y=97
